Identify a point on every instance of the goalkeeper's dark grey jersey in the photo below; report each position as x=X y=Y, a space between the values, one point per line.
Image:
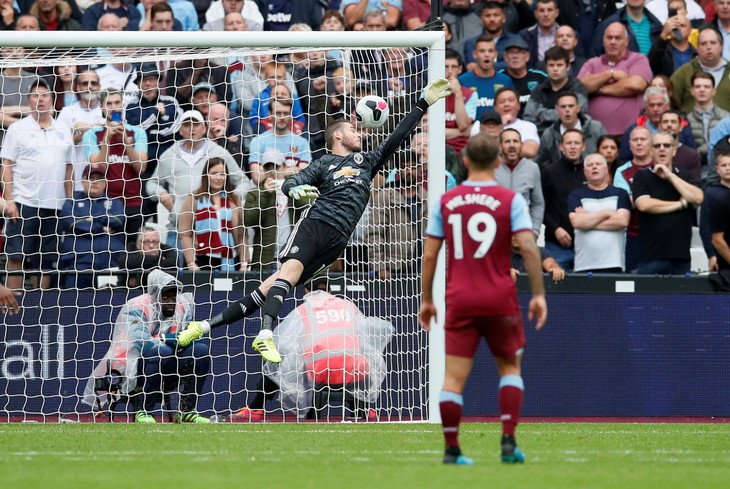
x=344 y=181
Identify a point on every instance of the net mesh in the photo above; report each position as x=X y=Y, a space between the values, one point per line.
x=92 y=254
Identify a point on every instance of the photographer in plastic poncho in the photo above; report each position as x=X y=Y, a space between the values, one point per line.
x=326 y=341
x=145 y=331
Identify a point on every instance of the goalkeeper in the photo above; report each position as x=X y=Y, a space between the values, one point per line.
x=341 y=182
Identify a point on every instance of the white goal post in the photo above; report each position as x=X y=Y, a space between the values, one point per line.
x=80 y=48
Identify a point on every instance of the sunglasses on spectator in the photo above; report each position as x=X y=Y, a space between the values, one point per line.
x=662 y=145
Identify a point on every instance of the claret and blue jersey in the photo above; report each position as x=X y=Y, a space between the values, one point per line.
x=478 y=219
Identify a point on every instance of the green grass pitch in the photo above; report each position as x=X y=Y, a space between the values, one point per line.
x=347 y=455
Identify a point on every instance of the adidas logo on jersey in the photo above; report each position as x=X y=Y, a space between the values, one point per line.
x=279 y=298
x=243 y=309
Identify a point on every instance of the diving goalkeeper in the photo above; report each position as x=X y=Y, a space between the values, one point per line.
x=341 y=183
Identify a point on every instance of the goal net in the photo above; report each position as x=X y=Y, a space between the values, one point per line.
x=168 y=152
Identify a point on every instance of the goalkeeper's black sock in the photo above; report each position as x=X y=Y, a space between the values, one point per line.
x=239 y=310
x=274 y=301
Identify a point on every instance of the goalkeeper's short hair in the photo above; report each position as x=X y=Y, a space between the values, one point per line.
x=329 y=133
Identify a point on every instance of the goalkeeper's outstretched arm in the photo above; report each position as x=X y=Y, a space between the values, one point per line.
x=434 y=91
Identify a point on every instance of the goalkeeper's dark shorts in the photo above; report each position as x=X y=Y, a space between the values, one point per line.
x=315 y=244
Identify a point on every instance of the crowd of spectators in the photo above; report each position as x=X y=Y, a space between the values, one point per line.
x=179 y=163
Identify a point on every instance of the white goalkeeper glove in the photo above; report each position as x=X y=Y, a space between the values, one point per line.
x=304 y=192
x=436 y=90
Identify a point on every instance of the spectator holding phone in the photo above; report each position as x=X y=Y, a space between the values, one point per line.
x=123 y=148
x=672 y=49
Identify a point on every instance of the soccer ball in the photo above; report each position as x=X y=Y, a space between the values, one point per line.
x=372 y=111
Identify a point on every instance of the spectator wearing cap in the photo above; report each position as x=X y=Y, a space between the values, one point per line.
x=355 y=10
x=54 y=15
x=159 y=115
x=130 y=16
x=204 y=94
x=491 y=124
x=93 y=229
x=186 y=76
x=493 y=20
x=179 y=169
x=37 y=169
x=181 y=15
x=294 y=148
x=82 y=116
x=216 y=13
x=123 y=148
x=269 y=214
x=525 y=80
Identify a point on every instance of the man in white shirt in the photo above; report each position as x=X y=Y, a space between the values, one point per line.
x=37 y=179
x=507 y=105
x=599 y=213
x=179 y=169
x=82 y=116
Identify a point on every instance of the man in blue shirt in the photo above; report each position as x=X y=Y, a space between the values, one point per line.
x=281 y=138
x=484 y=79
